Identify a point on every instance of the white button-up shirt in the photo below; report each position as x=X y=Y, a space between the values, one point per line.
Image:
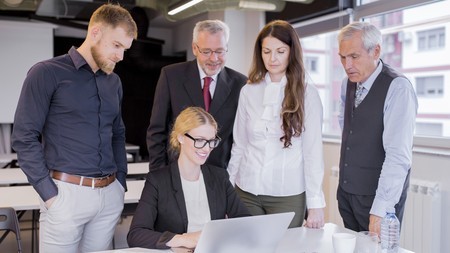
x=259 y=162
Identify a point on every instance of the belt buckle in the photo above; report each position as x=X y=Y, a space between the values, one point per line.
x=99 y=179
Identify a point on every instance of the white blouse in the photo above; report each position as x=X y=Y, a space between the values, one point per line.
x=197 y=206
x=259 y=162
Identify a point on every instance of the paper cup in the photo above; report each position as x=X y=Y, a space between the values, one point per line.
x=344 y=242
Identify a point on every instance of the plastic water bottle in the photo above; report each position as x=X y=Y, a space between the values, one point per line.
x=390 y=232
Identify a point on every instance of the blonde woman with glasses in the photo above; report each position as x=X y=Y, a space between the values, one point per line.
x=180 y=198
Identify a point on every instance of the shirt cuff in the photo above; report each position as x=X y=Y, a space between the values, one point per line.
x=315 y=202
x=379 y=207
x=46 y=188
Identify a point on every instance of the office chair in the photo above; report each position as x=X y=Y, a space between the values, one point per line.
x=9 y=222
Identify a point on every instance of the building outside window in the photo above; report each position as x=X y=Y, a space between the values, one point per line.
x=413 y=43
x=431 y=39
x=311 y=63
x=430 y=86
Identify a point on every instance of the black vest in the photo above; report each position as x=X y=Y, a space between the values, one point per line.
x=362 y=152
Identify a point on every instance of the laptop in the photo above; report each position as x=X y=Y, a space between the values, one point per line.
x=252 y=234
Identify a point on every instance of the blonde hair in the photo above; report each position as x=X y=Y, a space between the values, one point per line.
x=115 y=16
x=188 y=119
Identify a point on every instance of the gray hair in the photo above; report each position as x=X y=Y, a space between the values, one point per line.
x=370 y=35
x=212 y=27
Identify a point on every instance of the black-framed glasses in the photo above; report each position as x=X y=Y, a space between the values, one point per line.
x=201 y=143
x=208 y=52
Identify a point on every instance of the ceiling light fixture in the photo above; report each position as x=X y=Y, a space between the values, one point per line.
x=257 y=5
x=183 y=6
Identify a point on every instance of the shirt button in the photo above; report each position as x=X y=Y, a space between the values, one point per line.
x=345 y=165
x=348 y=148
x=345 y=181
x=351 y=132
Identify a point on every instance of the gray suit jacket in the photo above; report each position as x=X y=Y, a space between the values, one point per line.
x=179 y=86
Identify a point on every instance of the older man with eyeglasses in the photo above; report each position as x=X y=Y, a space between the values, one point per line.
x=203 y=82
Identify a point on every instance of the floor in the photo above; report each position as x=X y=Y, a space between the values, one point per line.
x=9 y=244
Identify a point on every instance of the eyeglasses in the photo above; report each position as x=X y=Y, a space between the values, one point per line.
x=208 y=52
x=201 y=143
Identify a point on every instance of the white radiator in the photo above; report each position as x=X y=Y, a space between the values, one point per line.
x=421 y=226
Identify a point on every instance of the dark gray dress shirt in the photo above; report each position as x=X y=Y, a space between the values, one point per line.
x=69 y=119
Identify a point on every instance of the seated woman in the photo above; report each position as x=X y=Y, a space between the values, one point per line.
x=180 y=198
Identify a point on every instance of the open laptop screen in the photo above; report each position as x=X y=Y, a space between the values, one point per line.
x=253 y=234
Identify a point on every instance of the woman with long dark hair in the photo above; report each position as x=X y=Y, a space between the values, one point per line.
x=277 y=157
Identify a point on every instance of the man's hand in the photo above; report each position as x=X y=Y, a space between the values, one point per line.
x=49 y=202
x=315 y=218
x=375 y=224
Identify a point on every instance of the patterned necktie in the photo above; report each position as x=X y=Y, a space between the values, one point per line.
x=206 y=94
x=358 y=94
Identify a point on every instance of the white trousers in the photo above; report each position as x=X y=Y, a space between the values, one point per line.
x=81 y=219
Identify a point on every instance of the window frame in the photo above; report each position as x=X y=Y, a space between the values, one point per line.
x=338 y=20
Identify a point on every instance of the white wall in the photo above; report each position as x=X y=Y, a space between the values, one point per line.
x=22 y=44
x=425 y=166
x=244 y=27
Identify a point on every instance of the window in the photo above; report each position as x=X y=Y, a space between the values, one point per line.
x=431 y=39
x=430 y=129
x=311 y=64
x=325 y=47
x=431 y=86
x=406 y=27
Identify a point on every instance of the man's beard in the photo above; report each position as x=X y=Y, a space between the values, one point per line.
x=101 y=62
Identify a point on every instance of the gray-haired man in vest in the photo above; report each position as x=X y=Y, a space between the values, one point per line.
x=377 y=117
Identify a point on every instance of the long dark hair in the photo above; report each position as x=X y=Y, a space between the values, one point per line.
x=292 y=111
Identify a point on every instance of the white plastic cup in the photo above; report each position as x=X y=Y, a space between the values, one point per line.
x=344 y=242
x=367 y=242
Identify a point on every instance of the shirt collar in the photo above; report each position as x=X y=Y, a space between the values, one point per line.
x=77 y=58
x=369 y=82
x=79 y=61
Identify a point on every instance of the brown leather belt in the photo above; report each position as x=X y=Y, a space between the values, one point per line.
x=94 y=182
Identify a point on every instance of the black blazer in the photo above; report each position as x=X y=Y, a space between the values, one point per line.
x=161 y=212
x=179 y=86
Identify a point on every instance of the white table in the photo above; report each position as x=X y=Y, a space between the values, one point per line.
x=133 y=150
x=16 y=175
x=12 y=176
x=296 y=240
x=7 y=158
x=26 y=198
x=140 y=168
x=313 y=240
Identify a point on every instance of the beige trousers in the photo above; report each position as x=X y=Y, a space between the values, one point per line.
x=81 y=219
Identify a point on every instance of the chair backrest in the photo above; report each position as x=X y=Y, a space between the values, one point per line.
x=9 y=222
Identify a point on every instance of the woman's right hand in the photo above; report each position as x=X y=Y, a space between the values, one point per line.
x=187 y=240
